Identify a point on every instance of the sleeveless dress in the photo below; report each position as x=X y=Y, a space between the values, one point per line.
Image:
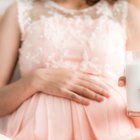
x=92 y=40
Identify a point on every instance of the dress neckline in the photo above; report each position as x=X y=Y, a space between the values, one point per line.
x=72 y=11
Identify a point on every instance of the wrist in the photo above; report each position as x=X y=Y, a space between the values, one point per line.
x=36 y=81
x=30 y=85
x=40 y=80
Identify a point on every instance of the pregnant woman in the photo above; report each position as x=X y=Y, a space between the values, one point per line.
x=70 y=54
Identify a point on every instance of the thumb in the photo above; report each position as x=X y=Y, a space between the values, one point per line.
x=122 y=81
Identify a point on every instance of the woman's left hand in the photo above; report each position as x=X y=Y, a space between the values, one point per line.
x=122 y=81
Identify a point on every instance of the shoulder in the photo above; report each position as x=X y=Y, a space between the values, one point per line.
x=134 y=8
x=9 y=21
x=4 y=4
x=135 y=3
x=11 y=12
x=134 y=12
x=12 y=8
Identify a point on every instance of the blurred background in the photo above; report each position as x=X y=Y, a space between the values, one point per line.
x=4 y=4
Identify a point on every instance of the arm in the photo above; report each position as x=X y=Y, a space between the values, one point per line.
x=12 y=95
x=133 y=42
x=65 y=83
x=133 y=25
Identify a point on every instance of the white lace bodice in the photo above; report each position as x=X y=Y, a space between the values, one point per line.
x=92 y=39
x=26 y=10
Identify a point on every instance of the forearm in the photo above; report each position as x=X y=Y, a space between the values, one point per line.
x=14 y=94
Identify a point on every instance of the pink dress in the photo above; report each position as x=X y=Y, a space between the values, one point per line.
x=92 y=40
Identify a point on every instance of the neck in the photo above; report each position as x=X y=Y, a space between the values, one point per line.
x=75 y=4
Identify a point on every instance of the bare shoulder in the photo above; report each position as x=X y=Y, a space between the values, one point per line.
x=10 y=13
x=135 y=3
x=133 y=23
x=9 y=42
x=12 y=9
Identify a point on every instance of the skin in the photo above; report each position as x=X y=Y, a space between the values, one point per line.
x=65 y=83
x=56 y=82
x=73 y=4
x=133 y=40
x=133 y=31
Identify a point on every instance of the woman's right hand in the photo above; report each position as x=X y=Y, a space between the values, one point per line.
x=70 y=84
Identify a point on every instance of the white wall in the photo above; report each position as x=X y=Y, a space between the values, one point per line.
x=4 y=4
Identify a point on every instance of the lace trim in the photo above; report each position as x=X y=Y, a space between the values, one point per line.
x=118 y=12
x=24 y=6
x=121 y=9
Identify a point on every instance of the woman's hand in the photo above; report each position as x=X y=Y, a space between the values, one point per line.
x=69 y=84
x=122 y=81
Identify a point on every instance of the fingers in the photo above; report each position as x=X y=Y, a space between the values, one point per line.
x=75 y=97
x=93 y=80
x=99 y=89
x=122 y=81
x=87 y=93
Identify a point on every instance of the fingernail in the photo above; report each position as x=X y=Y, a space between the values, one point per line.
x=121 y=83
x=108 y=96
x=101 y=99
